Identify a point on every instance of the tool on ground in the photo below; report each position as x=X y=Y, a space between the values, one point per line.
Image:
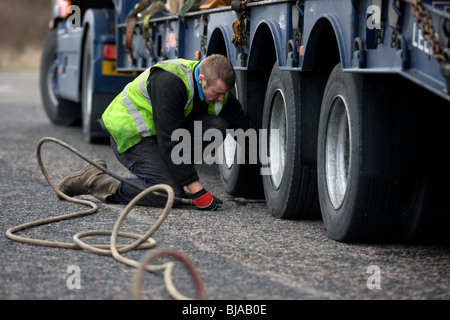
x=244 y=201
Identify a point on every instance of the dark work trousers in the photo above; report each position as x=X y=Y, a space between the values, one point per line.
x=147 y=163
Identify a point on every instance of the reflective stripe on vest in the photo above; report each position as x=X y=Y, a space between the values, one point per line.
x=131 y=108
x=215 y=108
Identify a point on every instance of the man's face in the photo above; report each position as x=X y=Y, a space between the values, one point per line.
x=213 y=93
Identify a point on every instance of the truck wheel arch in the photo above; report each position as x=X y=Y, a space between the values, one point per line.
x=217 y=43
x=263 y=52
x=327 y=35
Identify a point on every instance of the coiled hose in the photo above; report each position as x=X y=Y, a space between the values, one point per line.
x=142 y=241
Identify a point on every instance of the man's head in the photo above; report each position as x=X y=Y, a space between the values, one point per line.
x=216 y=76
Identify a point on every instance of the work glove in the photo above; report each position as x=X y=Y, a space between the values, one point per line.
x=204 y=200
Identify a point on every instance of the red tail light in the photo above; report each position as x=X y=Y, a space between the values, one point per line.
x=63 y=8
x=109 y=51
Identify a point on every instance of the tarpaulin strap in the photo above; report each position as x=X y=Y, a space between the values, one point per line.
x=186 y=7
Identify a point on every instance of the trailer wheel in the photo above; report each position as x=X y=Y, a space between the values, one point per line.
x=426 y=219
x=290 y=186
x=360 y=196
x=60 y=111
x=237 y=177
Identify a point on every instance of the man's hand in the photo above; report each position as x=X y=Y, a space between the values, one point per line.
x=204 y=200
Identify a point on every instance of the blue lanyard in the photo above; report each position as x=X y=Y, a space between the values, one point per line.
x=200 y=91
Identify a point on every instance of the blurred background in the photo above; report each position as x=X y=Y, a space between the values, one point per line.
x=23 y=29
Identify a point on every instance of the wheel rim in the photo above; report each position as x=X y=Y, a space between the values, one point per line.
x=229 y=151
x=337 y=151
x=88 y=102
x=87 y=97
x=51 y=82
x=229 y=144
x=277 y=138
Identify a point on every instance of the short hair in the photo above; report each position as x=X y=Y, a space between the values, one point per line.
x=216 y=67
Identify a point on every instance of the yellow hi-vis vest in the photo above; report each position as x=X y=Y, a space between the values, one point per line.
x=129 y=117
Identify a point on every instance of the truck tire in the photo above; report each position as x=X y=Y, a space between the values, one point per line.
x=93 y=103
x=290 y=186
x=425 y=218
x=60 y=111
x=361 y=197
x=237 y=177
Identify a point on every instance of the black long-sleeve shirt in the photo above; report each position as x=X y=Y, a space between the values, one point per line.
x=169 y=97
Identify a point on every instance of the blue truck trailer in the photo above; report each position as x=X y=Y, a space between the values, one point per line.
x=357 y=91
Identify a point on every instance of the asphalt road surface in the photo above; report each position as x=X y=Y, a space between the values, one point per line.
x=240 y=252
